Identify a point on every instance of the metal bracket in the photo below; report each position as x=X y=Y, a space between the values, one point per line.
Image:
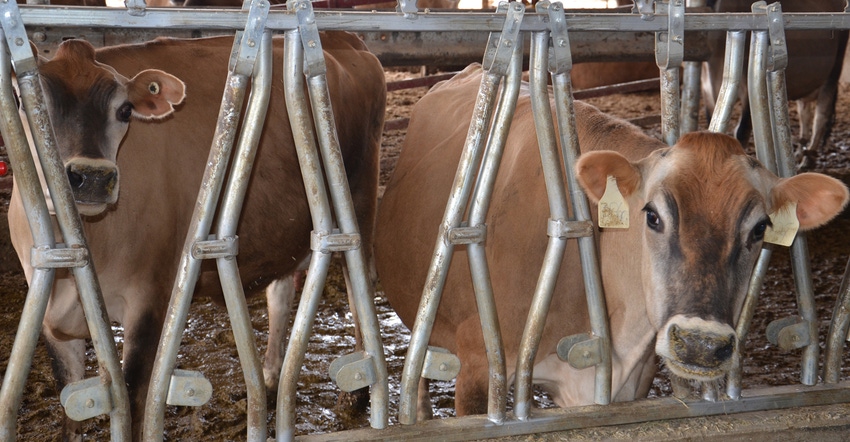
x=560 y=56
x=189 y=389
x=440 y=364
x=580 y=351
x=408 y=8
x=314 y=57
x=777 y=52
x=325 y=242
x=467 y=234
x=86 y=399
x=670 y=45
x=561 y=228
x=59 y=257
x=500 y=45
x=23 y=59
x=213 y=248
x=789 y=333
x=353 y=371
x=135 y=7
x=244 y=55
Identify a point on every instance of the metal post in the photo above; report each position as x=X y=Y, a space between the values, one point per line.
x=733 y=66
x=691 y=88
x=669 y=53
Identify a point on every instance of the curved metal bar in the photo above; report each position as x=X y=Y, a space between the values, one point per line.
x=480 y=203
x=234 y=196
x=670 y=105
x=733 y=66
x=759 y=103
x=838 y=329
x=189 y=266
x=41 y=226
x=301 y=122
x=438 y=269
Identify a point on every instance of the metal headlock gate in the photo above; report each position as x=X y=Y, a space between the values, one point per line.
x=335 y=228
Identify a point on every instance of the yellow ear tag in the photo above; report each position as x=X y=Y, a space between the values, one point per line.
x=785 y=225
x=613 y=208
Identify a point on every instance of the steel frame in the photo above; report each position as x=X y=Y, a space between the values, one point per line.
x=254 y=23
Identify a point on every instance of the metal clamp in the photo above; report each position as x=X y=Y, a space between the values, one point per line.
x=244 y=54
x=353 y=371
x=59 y=257
x=327 y=242
x=777 y=52
x=189 y=389
x=314 y=57
x=788 y=333
x=560 y=56
x=86 y=399
x=227 y=247
x=440 y=364
x=561 y=228
x=580 y=351
x=670 y=45
x=467 y=234
x=500 y=45
x=23 y=59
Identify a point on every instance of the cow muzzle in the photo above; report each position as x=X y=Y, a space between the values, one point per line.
x=697 y=349
x=94 y=183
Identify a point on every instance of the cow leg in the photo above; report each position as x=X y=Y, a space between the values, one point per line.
x=745 y=125
x=279 y=297
x=806 y=117
x=471 y=385
x=141 y=339
x=424 y=409
x=68 y=360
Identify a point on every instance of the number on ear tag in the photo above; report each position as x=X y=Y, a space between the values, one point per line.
x=613 y=208
x=785 y=225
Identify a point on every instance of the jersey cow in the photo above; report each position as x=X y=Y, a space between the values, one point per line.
x=673 y=282
x=815 y=59
x=136 y=237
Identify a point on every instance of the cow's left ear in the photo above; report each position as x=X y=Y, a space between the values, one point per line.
x=593 y=169
x=154 y=93
x=819 y=198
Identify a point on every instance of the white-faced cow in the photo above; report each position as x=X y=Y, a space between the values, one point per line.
x=815 y=59
x=673 y=282
x=136 y=237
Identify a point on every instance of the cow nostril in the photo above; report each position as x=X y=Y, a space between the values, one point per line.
x=76 y=179
x=724 y=352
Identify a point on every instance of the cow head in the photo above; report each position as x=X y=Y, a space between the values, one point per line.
x=90 y=107
x=705 y=209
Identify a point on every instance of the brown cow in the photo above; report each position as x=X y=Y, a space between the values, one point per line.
x=136 y=242
x=673 y=282
x=815 y=59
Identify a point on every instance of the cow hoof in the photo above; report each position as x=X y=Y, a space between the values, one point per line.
x=354 y=402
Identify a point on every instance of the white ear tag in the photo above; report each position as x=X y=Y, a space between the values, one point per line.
x=613 y=208
x=785 y=225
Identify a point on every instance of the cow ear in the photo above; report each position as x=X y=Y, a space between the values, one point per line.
x=154 y=93
x=819 y=198
x=593 y=169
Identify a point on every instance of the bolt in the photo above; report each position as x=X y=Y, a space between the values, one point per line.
x=190 y=392
x=252 y=43
x=39 y=37
x=562 y=43
x=19 y=41
x=444 y=367
x=358 y=376
x=586 y=354
x=90 y=403
x=311 y=43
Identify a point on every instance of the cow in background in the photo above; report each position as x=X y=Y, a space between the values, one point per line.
x=136 y=238
x=815 y=59
x=673 y=282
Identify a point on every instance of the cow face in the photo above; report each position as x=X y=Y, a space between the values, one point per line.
x=90 y=107
x=702 y=208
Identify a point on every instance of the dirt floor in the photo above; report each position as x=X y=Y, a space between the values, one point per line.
x=208 y=343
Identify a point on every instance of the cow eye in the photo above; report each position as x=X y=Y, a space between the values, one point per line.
x=124 y=112
x=759 y=229
x=653 y=221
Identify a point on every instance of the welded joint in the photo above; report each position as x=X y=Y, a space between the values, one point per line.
x=440 y=364
x=227 y=247
x=408 y=8
x=500 y=45
x=244 y=55
x=59 y=257
x=136 y=8
x=670 y=45
x=560 y=56
x=777 y=50
x=314 y=57
x=561 y=228
x=23 y=60
x=467 y=234
x=353 y=371
x=327 y=242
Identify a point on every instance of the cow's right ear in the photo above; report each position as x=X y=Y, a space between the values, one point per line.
x=154 y=93
x=593 y=169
